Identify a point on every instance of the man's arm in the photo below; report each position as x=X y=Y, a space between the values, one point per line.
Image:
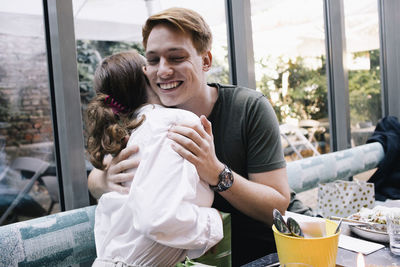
x=112 y=178
x=256 y=197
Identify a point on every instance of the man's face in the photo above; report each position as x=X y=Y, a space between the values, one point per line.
x=174 y=68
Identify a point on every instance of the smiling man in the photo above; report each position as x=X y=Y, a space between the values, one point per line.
x=173 y=68
x=239 y=156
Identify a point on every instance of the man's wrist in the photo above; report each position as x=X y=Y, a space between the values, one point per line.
x=219 y=169
x=225 y=180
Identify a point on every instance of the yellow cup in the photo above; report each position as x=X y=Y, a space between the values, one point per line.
x=317 y=252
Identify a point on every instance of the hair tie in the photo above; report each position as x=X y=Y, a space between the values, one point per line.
x=115 y=106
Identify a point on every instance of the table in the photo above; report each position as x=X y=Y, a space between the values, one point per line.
x=346 y=258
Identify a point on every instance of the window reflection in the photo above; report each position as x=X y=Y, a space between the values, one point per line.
x=362 y=41
x=289 y=51
x=28 y=183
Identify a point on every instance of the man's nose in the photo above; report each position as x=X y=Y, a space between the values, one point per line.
x=164 y=69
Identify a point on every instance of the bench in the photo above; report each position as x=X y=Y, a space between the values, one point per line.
x=66 y=238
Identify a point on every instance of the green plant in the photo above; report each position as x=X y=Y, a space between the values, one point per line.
x=365 y=91
x=300 y=92
x=88 y=58
x=295 y=90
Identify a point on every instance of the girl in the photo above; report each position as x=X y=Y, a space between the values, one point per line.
x=167 y=214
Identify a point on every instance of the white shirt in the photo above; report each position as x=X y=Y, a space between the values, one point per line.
x=167 y=213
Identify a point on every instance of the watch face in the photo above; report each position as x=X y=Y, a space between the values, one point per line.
x=225 y=179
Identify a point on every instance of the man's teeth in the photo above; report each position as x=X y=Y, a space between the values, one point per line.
x=167 y=86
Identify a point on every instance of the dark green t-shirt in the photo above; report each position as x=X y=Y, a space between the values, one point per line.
x=247 y=139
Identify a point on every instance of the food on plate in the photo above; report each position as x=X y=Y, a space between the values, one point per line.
x=376 y=215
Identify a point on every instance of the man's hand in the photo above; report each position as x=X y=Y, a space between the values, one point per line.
x=195 y=143
x=256 y=196
x=114 y=176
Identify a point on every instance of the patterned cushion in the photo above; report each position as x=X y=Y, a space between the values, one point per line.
x=306 y=173
x=60 y=239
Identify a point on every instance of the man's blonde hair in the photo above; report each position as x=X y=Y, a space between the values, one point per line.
x=185 y=20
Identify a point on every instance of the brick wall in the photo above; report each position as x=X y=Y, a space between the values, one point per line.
x=25 y=114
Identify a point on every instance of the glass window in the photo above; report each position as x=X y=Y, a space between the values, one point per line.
x=28 y=182
x=289 y=55
x=362 y=41
x=103 y=28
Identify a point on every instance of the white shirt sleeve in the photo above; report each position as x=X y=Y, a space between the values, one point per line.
x=162 y=200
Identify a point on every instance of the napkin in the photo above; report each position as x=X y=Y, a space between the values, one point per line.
x=358 y=245
x=311 y=226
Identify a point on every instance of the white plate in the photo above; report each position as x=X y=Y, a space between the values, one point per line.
x=373 y=235
x=376 y=235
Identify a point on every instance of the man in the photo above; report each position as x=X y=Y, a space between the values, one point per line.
x=246 y=167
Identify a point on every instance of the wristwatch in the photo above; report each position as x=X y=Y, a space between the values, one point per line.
x=225 y=180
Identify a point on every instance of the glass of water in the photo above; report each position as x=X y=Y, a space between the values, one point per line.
x=393 y=229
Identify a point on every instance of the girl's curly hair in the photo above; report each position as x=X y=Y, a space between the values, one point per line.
x=121 y=78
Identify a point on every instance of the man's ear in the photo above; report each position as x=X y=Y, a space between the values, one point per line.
x=207 y=60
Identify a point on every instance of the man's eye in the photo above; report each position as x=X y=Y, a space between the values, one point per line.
x=177 y=59
x=152 y=61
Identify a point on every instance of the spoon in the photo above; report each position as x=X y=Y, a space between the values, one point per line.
x=280 y=223
x=338 y=227
x=294 y=227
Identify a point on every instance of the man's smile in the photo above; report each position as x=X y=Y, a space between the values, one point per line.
x=169 y=85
